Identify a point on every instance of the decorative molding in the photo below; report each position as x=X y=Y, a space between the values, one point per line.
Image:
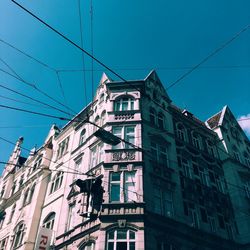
x=123 y=156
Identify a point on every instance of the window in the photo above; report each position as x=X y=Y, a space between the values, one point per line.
x=247 y=159
x=97 y=155
x=49 y=221
x=101 y=98
x=12 y=212
x=161 y=120
x=115 y=183
x=21 y=181
x=25 y=197
x=56 y=182
x=124 y=104
x=247 y=189
x=13 y=189
x=63 y=147
x=152 y=116
x=126 y=133
x=165 y=246
x=163 y=201
x=159 y=153
x=204 y=176
x=212 y=224
x=220 y=184
x=210 y=148
x=37 y=163
x=181 y=133
x=18 y=237
x=32 y=190
x=88 y=246
x=187 y=168
x=2 y=218
x=236 y=154
x=196 y=140
x=78 y=164
x=3 y=244
x=103 y=117
x=194 y=218
x=71 y=213
x=83 y=137
x=122 y=187
x=2 y=192
x=97 y=123
x=121 y=239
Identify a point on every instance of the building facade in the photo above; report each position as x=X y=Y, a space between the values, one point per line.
x=131 y=171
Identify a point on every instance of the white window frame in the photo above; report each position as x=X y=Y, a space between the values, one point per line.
x=97 y=154
x=70 y=218
x=49 y=220
x=83 y=136
x=115 y=240
x=124 y=134
x=63 y=147
x=124 y=104
x=127 y=186
x=187 y=168
x=161 y=120
x=159 y=153
x=196 y=140
x=210 y=148
x=56 y=182
x=19 y=234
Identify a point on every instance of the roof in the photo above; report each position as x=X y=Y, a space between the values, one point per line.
x=214 y=120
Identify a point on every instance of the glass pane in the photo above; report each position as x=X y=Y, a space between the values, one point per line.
x=129 y=177
x=122 y=234
x=131 y=234
x=111 y=235
x=111 y=246
x=115 y=192
x=115 y=177
x=117 y=131
x=132 y=246
x=121 y=246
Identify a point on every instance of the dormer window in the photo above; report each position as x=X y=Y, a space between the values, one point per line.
x=181 y=132
x=124 y=104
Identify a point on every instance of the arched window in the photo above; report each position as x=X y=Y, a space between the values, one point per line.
x=48 y=222
x=152 y=116
x=88 y=246
x=161 y=120
x=82 y=137
x=124 y=104
x=196 y=140
x=181 y=132
x=32 y=190
x=18 y=235
x=121 y=239
x=56 y=182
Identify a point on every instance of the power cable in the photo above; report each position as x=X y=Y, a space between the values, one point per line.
x=11 y=69
x=83 y=60
x=33 y=99
x=41 y=63
x=209 y=56
x=67 y=39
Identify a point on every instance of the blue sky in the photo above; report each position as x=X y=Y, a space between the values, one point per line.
x=131 y=37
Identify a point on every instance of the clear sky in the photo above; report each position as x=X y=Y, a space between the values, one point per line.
x=132 y=37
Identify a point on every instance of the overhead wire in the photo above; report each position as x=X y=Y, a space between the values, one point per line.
x=34 y=99
x=41 y=63
x=83 y=60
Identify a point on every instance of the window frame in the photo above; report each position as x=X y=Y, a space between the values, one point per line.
x=63 y=147
x=19 y=235
x=124 y=103
x=56 y=182
x=181 y=132
x=124 y=134
x=49 y=220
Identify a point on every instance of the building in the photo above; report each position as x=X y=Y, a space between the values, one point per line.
x=171 y=182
